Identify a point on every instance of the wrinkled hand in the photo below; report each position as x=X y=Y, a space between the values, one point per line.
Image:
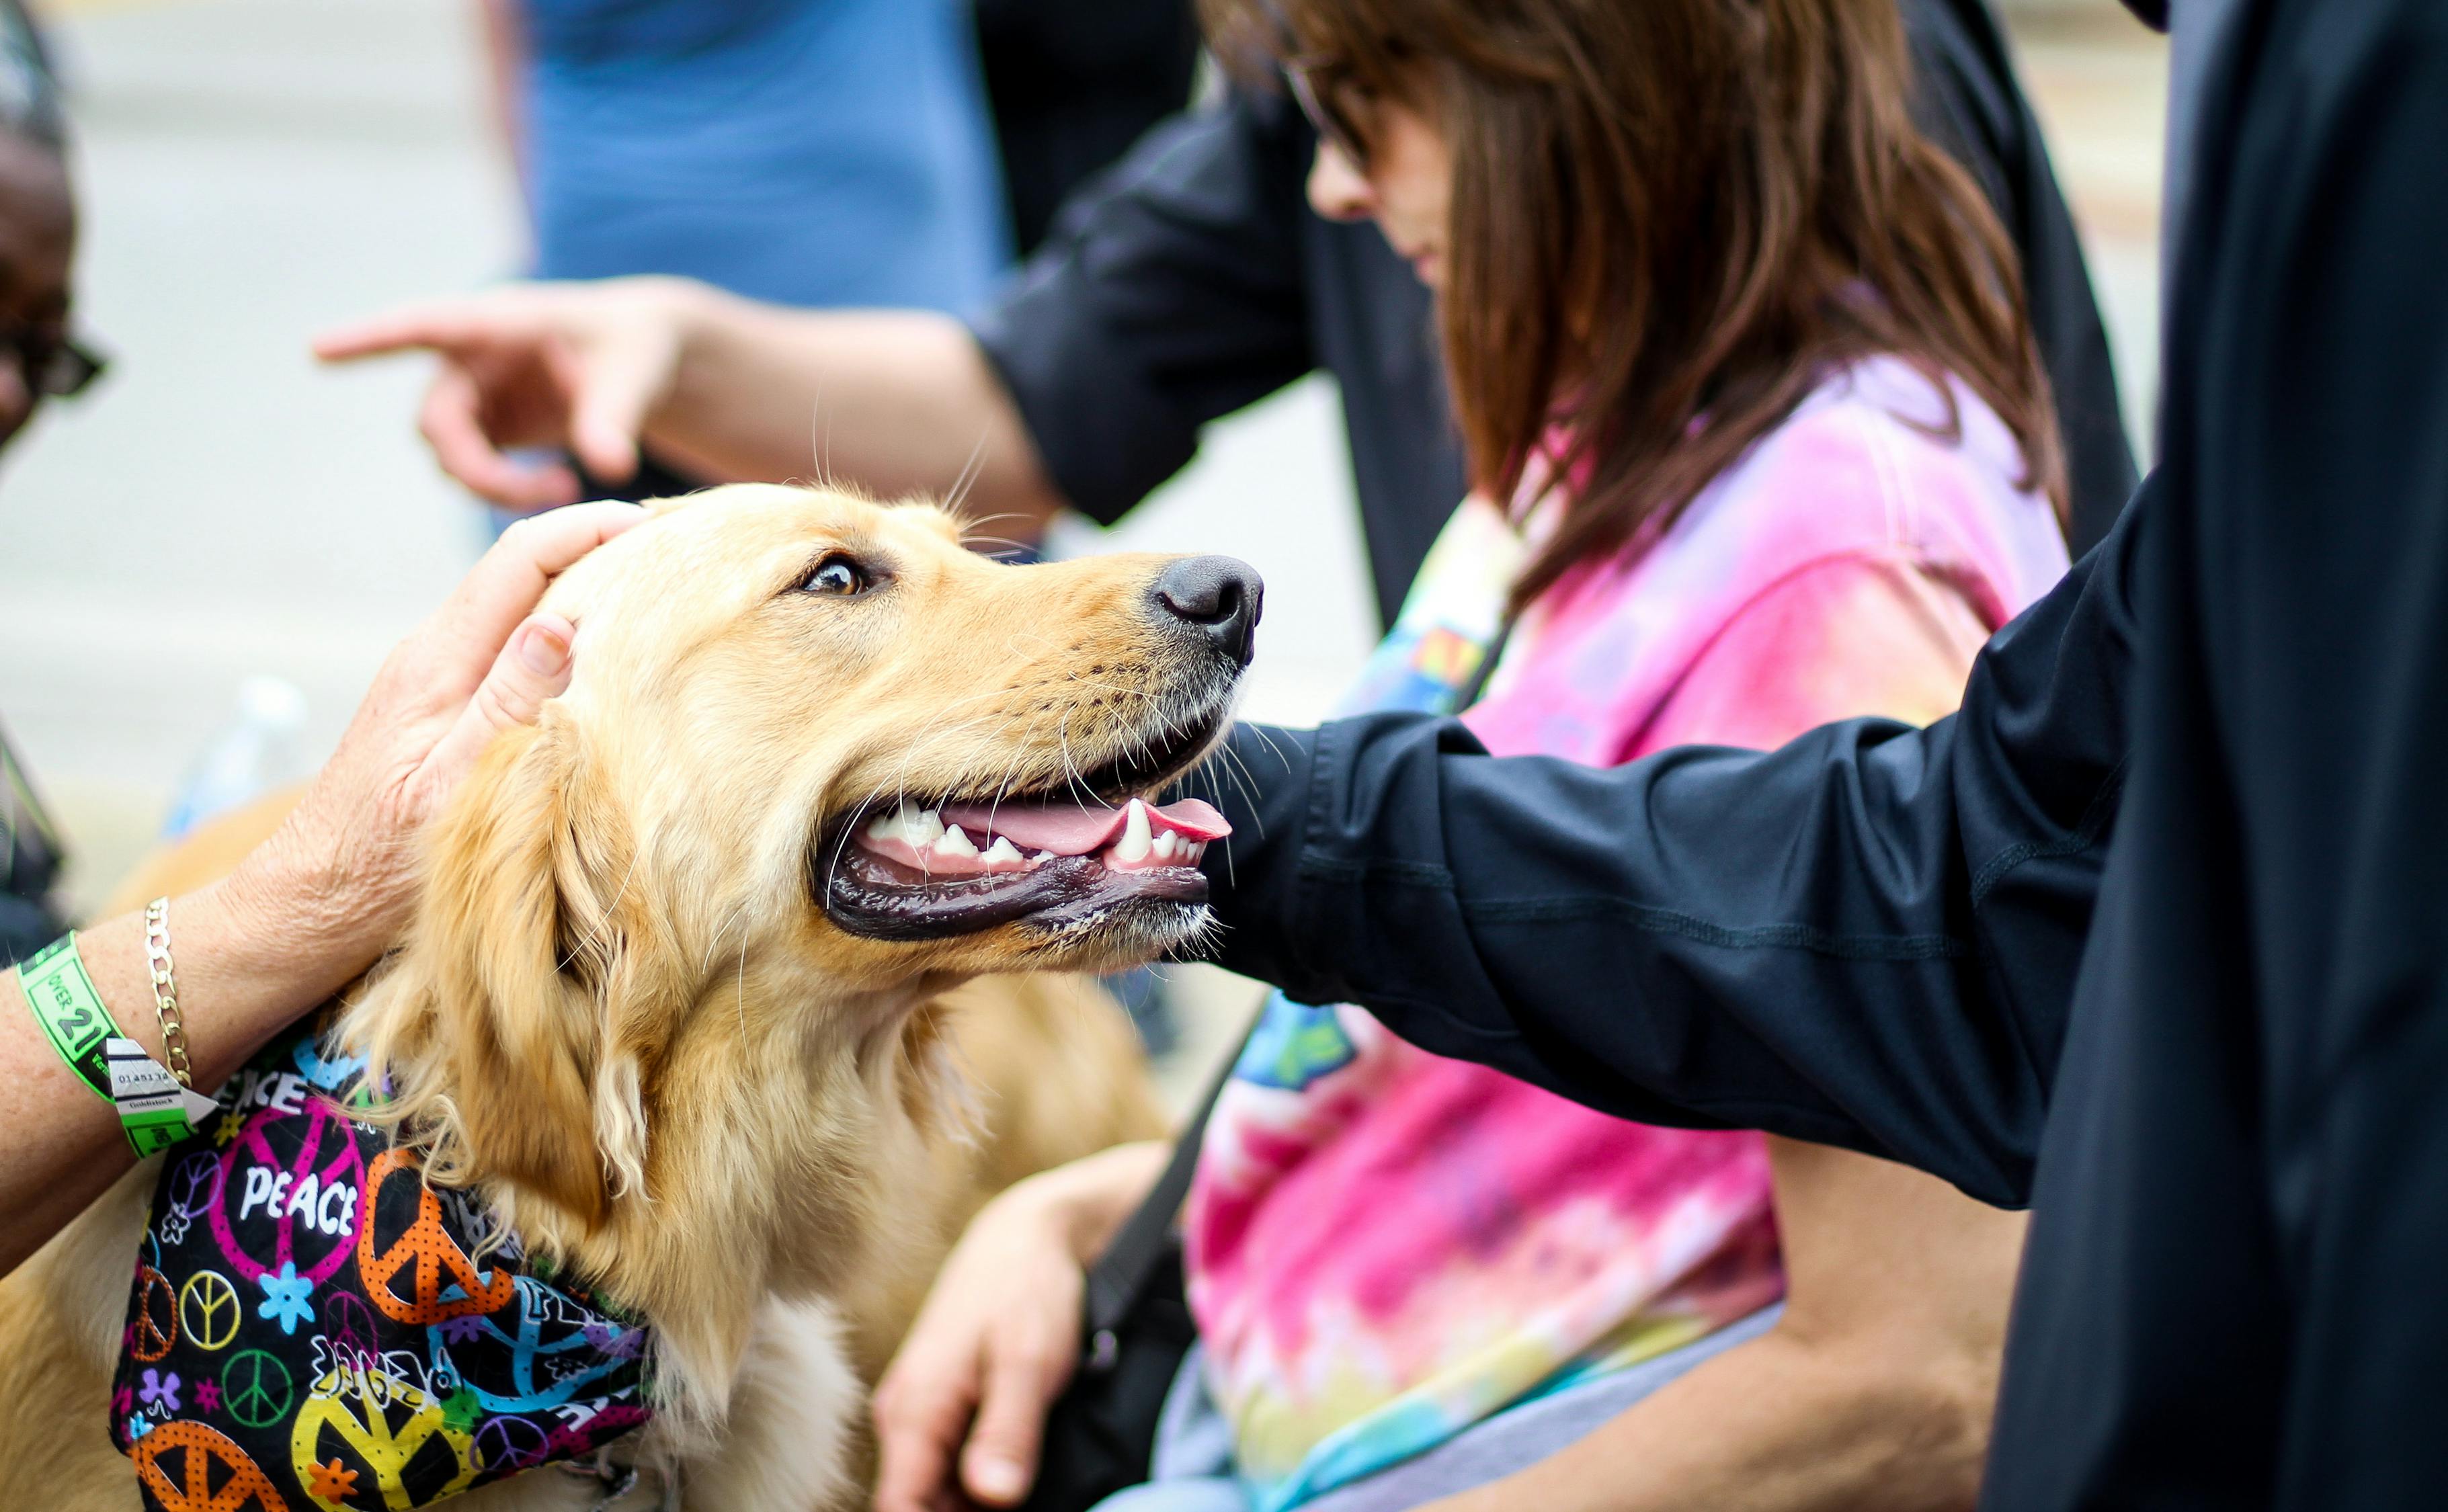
x=342 y=869
x=576 y=366
x=993 y=1346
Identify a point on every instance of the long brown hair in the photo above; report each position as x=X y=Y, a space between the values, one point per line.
x=1670 y=218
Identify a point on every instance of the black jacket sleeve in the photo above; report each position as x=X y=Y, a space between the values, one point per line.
x=1867 y=938
x=1172 y=292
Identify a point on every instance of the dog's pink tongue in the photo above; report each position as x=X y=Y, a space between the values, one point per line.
x=1070 y=829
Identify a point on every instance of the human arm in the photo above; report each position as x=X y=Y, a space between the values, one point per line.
x=1170 y=293
x=999 y=1335
x=1868 y=937
x=310 y=909
x=725 y=388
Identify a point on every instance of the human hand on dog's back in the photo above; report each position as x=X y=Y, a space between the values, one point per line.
x=959 y=1414
x=310 y=908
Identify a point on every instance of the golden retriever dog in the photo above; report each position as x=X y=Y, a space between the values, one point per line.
x=682 y=1009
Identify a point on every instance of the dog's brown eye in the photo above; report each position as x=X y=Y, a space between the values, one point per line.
x=836 y=576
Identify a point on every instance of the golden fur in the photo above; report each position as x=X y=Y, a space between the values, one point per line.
x=621 y=1017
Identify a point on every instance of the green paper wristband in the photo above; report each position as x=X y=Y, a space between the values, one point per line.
x=69 y=1010
x=80 y=1028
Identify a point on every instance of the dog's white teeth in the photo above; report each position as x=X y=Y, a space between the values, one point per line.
x=1041 y=859
x=1195 y=851
x=954 y=841
x=1137 y=841
x=1164 y=846
x=914 y=826
x=1003 y=853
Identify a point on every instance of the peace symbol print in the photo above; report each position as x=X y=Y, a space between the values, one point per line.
x=351 y=1327
x=255 y=1388
x=195 y=1184
x=508 y=1444
x=552 y=1350
x=396 y=1451
x=209 y=1311
x=154 y=1325
x=426 y=1249
x=198 y=1453
x=279 y=1162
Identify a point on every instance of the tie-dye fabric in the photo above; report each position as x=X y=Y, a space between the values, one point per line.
x=1384 y=1246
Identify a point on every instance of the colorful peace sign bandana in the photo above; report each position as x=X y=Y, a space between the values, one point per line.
x=312 y=1326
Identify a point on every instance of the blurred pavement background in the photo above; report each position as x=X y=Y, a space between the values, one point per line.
x=254 y=170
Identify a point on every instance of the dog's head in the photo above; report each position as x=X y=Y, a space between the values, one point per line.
x=827 y=713
x=817 y=761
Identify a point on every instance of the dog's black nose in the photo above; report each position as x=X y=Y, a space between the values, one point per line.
x=1220 y=594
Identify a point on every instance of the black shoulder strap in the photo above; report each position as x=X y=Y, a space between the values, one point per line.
x=1140 y=1245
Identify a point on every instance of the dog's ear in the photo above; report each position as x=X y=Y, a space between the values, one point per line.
x=535 y=955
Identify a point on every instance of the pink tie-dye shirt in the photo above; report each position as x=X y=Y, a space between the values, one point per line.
x=1384 y=1247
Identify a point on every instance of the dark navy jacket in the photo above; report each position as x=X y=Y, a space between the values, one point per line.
x=2152 y=935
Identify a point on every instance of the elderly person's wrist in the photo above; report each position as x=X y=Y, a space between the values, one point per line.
x=312 y=911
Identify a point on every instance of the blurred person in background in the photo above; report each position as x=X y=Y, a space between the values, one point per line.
x=803 y=152
x=1735 y=507
x=38 y=361
x=818 y=153
x=809 y=153
x=1189 y=281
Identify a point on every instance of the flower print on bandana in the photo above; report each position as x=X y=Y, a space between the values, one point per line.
x=284 y=1297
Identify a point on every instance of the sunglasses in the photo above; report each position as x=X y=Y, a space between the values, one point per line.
x=1318 y=89
x=55 y=367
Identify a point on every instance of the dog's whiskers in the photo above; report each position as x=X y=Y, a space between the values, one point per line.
x=970 y=471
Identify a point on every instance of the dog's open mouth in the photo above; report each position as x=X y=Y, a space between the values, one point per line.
x=1062 y=861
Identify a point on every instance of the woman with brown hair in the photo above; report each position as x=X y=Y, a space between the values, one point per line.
x=1759 y=441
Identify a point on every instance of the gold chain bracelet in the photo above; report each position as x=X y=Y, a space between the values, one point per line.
x=166 y=988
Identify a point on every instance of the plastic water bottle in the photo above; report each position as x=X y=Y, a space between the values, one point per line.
x=253 y=754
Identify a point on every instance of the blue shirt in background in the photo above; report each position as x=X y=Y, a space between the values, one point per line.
x=809 y=152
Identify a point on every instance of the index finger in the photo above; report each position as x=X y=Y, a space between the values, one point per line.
x=442 y=326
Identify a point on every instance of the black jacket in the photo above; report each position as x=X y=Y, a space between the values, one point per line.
x=2152 y=934
x=1193 y=280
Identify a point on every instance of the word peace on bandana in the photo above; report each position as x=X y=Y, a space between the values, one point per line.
x=312 y=1326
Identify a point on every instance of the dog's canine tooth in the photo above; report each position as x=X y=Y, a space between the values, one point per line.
x=1137 y=841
